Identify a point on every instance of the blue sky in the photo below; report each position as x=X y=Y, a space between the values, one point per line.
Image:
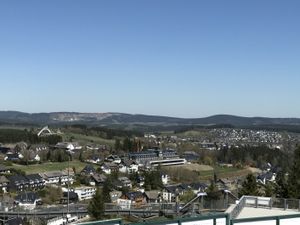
x=183 y=58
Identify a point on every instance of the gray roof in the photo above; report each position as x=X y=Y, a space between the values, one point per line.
x=154 y=194
x=3 y=179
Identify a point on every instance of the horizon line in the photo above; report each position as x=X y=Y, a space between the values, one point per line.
x=159 y=115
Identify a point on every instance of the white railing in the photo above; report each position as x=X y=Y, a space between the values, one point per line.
x=264 y=202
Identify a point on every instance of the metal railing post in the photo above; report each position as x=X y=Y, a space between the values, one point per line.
x=285 y=205
x=277 y=221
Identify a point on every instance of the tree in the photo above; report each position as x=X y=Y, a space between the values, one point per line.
x=48 y=156
x=118 y=145
x=213 y=192
x=52 y=195
x=153 y=180
x=269 y=189
x=294 y=176
x=81 y=157
x=96 y=206
x=249 y=186
x=107 y=187
x=281 y=187
x=127 y=144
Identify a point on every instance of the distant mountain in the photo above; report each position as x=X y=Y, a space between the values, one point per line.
x=122 y=118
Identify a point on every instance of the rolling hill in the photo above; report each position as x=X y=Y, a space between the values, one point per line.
x=122 y=118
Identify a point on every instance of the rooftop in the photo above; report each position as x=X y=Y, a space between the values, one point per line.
x=250 y=212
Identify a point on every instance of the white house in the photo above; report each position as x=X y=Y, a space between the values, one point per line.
x=165 y=179
x=69 y=145
x=56 y=177
x=37 y=158
x=128 y=166
x=113 y=159
x=94 y=159
x=108 y=168
x=27 y=200
x=85 y=192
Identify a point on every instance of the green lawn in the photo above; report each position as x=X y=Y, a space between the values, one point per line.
x=224 y=172
x=49 y=166
x=86 y=139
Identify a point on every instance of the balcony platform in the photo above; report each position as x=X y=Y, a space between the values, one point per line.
x=250 y=212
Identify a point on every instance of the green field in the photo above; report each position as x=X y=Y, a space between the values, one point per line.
x=49 y=166
x=86 y=139
x=223 y=172
x=196 y=172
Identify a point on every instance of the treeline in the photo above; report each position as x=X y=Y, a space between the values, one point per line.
x=15 y=135
x=253 y=156
x=104 y=132
x=128 y=145
x=182 y=129
x=286 y=185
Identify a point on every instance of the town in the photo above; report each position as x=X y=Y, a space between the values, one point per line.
x=176 y=170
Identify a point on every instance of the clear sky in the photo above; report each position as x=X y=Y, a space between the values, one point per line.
x=188 y=58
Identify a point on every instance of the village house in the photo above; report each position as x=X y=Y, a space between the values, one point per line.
x=172 y=192
x=113 y=159
x=13 y=157
x=197 y=187
x=4 y=150
x=27 y=182
x=97 y=179
x=71 y=146
x=153 y=196
x=88 y=170
x=73 y=197
x=165 y=179
x=140 y=180
x=18 y=183
x=4 y=169
x=191 y=156
x=57 y=177
x=266 y=177
x=39 y=147
x=115 y=196
x=128 y=166
x=28 y=200
x=94 y=159
x=109 y=168
x=226 y=184
x=125 y=182
x=3 y=183
x=36 y=181
x=85 y=192
x=135 y=198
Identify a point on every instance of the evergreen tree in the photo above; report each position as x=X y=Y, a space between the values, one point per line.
x=269 y=189
x=118 y=145
x=213 y=192
x=249 y=186
x=96 y=206
x=107 y=187
x=81 y=157
x=281 y=187
x=48 y=157
x=294 y=176
x=127 y=144
x=153 y=180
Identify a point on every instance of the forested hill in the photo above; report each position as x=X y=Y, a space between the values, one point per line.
x=122 y=118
